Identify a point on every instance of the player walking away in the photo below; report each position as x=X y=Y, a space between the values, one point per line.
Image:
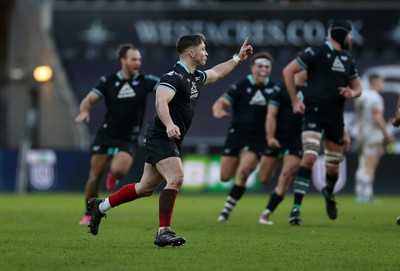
x=124 y=93
x=246 y=137
x=176 y=99
x=283 y=129
x=371 y=136
x=332 y=78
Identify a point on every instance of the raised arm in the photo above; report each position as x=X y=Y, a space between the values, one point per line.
x=222 y=69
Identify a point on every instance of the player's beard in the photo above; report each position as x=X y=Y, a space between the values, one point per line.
x=347 y=44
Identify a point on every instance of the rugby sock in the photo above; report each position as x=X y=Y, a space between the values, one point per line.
x=330 y=185
x=166 y=207
x=274 y=201
x=125 y=194
x=364 y=186
x=87 y=211
x=301 y=184
x=359 y=185
x=232 y=199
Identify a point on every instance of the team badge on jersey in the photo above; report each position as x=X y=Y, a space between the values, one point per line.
x=338 y=65
x=126 y=92
x=258 y=99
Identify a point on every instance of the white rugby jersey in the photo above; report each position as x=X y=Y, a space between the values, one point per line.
x=368 y=131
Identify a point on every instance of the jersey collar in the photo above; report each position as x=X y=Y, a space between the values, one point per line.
x=329 y=45
x=251 y=79
x=119 y=75
x=184 y=66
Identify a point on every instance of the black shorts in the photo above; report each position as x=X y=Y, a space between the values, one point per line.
x=158 y=149
x=281 y=152
x=103 y=144
x=234 y=144
x=330 y=126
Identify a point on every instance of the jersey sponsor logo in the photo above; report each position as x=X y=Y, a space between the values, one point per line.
x=171 y=73
x=312 y=125
x=258 y=99
x=268 y=151
x=344 y=58
x=337 y=65
x=193 y=91
x=135 y=83
x=126 y=92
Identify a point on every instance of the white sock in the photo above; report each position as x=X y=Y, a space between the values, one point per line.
x=105 y=206
x=161 y=229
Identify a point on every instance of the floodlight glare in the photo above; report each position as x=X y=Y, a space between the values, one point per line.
x=42 y=74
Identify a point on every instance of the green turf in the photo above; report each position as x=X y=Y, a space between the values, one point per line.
x=41 y=232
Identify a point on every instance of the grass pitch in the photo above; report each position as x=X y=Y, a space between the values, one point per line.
x=41 y=232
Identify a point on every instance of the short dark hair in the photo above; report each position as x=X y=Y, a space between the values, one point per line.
x=123 y=49
x=372 y=77
x=261 y=55
x=185 y=41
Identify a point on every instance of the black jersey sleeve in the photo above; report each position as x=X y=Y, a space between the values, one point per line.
x=232 y=93
x=353 y=70
x=171 y=80
x=100 y=87
x=307 y=58
x=276 y=97
x=203 y=76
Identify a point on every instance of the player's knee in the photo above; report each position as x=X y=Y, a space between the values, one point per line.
x=311 y=146
x=308 y=160
x=333 y=159
x=265 y=177
x=177 y=182
x=145 y=192
x=244 y=173
x=225 y=177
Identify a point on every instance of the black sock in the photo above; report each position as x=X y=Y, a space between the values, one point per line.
x=234 y=195
x=301 y=184
x=330 y=184
x=237 y=192
x=274 y=201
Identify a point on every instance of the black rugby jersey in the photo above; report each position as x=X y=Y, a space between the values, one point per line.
x=327 y=70
x=249 y=106
x=187 y=87
x=288 y=125
x=125 y=101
